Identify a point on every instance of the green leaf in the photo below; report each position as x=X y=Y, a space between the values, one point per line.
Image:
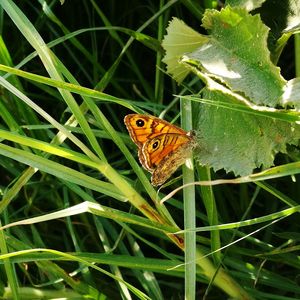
x=240 y=142
x=180 y=39
x=237 y=54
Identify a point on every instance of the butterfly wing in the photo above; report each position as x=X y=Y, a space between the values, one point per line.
x=162 y=146
x=141 y=128
x=165 y=153
x=174 y=159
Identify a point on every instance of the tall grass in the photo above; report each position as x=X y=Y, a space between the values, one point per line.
x=79 y=217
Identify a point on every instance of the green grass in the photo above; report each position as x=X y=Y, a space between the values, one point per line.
x=79 y=217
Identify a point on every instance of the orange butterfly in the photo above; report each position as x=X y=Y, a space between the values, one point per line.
x=162 y=147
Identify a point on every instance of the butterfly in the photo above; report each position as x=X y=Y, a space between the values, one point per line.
x=162 y=147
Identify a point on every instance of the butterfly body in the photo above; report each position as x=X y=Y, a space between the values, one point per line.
x=162 y=147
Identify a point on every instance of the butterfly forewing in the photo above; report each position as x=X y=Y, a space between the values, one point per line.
x=142 y=128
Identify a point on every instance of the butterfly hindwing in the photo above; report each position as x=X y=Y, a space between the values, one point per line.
x=162 y=145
